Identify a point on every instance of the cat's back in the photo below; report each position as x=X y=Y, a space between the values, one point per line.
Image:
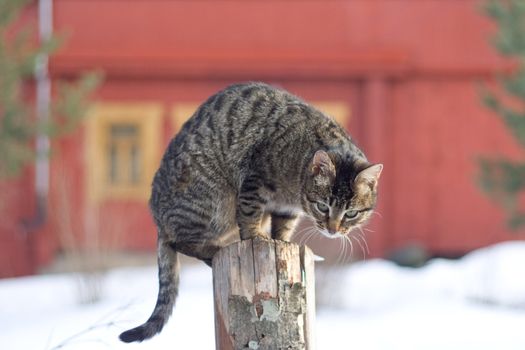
x=235 y=118
x=242 y=119
x=239 y=106
x=250 y=111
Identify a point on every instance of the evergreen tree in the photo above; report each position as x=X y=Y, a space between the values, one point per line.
x=19 y=57
x=503 y=178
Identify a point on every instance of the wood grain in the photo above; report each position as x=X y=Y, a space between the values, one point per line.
x=264 y=296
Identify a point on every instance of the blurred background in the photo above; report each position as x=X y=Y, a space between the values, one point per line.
x=93 y=90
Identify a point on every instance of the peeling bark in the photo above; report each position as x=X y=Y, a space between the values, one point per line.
x=264 y=296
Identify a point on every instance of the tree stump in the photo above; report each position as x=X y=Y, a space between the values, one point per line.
x=264 y=296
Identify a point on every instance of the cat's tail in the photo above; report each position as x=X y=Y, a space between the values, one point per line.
x=168 y=289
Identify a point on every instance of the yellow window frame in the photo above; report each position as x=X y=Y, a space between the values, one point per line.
x=147 y=117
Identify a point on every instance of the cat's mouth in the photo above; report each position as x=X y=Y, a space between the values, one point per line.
x=334 y=235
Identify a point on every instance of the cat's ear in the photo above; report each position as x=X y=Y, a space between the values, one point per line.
x=369 y=176
x=322 y=165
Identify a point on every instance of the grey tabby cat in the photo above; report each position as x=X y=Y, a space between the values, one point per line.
x=252 y=155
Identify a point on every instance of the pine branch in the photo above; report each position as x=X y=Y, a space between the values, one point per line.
x=501 y=178
x=18 y=60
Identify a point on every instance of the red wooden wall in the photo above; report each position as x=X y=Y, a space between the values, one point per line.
x=409 y=69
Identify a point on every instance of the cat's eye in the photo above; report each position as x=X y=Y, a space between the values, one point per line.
x=350 y=214
x=323 y=208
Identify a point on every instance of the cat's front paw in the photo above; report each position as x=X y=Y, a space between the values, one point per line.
x=254 y=234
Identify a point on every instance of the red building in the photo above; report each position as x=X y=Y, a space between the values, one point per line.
x=401 y=75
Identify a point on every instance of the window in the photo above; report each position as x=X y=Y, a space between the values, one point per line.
x=124 y=154
x=122 y=144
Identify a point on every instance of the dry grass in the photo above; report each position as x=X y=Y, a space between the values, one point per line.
x=86 y=250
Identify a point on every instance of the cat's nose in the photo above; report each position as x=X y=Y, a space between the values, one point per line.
x=333 y=228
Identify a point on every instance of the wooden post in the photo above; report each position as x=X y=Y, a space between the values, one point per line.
x=264 y=296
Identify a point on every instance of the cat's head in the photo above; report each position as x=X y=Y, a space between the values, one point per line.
x=340 y=192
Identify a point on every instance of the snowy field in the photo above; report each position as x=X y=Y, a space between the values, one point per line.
x=477 y=302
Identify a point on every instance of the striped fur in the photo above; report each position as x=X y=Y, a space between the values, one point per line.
x=251 y=153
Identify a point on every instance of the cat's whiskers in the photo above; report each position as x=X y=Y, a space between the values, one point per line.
x=362 y=235
x=342 y=245
x=312 y=234
x=343 y=254
x=361 y=245
x=377 y=213
x=345 y=249
x=301 y=231
x=307 y=236
x=307 y=233
x=351 y=246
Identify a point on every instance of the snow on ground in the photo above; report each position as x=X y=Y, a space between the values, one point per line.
x=477 y=302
